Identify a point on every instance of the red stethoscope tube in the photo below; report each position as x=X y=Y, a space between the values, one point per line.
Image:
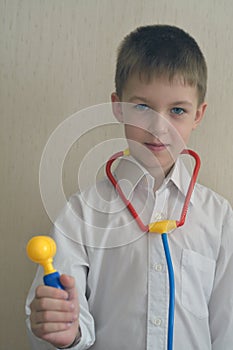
x=145 y=228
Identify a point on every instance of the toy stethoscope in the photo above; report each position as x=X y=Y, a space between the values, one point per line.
x=161 y=227
x=41 y=249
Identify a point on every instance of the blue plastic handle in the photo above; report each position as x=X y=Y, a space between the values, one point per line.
x=53 y=280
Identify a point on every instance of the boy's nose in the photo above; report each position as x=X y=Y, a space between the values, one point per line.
x=158 y=125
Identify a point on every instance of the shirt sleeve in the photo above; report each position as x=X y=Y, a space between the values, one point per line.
x=71 y=258
x=221 y=302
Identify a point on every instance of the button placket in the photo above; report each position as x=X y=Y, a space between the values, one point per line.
x=157 y=310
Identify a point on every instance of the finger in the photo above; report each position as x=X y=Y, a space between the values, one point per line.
x=50 y=304
x=62 y=338
x=69 y=284
x=46 y=320
x=50 y=292
x=55 y=317
x=42 y=330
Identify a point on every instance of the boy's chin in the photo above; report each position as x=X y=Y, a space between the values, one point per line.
x=153 y=165
x=159 y=165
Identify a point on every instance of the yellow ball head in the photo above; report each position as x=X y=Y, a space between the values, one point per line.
x=41 y=250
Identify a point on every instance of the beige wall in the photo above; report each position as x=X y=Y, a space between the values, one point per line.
x=57 y=57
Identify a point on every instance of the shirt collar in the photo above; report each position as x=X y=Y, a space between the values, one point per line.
x=180 y=177
x=129 y=174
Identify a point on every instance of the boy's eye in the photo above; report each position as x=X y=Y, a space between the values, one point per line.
x=178 y=111
x=141 y=107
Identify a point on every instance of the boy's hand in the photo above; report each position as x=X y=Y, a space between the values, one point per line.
x=55 y=312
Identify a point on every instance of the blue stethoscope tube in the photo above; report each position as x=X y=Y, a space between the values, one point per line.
x=171 y=311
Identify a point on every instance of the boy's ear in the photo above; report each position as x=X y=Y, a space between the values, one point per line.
x=199 y=114
x=117 y=107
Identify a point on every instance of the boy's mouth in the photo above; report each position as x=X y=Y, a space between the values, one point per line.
x=156 y=146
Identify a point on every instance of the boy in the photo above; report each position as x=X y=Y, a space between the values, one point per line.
x=122 y=295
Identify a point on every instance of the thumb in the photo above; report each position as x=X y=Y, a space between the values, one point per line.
x=68 y=283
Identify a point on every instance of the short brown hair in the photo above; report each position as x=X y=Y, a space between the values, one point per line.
x=161 y=50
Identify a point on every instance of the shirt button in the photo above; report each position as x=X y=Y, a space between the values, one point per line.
x=158 y=267
x=159 y=217
x=156 y=322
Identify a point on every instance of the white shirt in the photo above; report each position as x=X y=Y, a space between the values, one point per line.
x=121 y=272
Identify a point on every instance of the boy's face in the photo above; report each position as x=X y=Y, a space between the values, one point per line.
x=159 y=117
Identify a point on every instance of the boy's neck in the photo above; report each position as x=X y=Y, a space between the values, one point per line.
x=158 y=176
